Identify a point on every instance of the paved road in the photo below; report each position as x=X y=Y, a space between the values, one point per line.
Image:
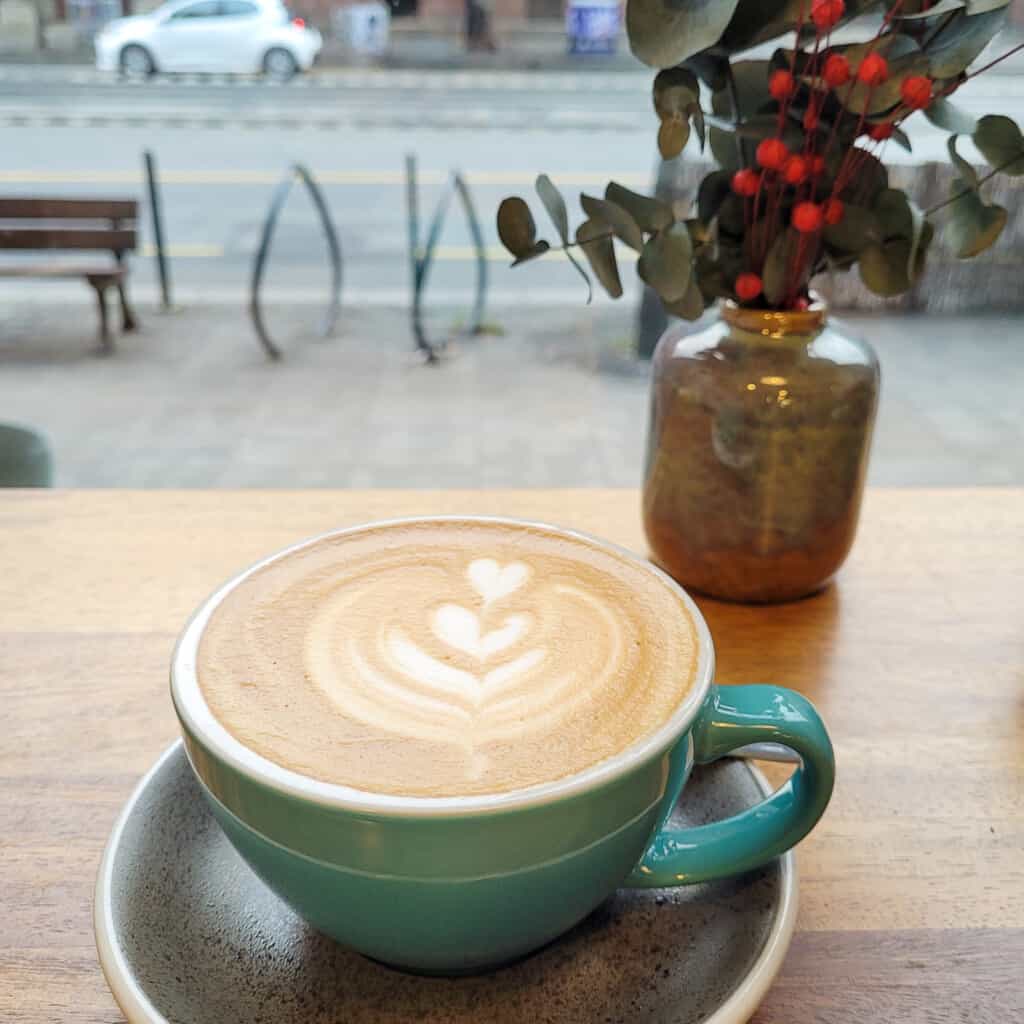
x=222 y=144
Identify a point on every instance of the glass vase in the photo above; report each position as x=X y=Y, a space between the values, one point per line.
x=758 y=443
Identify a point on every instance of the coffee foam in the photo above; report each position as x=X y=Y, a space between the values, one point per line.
x=449 y=659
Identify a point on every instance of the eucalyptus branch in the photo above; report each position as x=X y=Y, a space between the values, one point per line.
x=993 y=63
x=974 y=188
x=579 y=245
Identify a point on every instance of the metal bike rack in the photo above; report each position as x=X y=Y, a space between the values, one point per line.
x=421 y=257
x=157 y=217
x=301 y=173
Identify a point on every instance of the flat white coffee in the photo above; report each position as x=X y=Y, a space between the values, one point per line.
x=446 y=658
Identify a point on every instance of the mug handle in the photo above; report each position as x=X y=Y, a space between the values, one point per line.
x=738 y=716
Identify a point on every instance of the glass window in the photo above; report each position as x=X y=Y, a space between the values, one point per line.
x=238 y=8
x=205 y=9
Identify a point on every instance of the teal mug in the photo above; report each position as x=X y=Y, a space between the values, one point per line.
x=458 y=884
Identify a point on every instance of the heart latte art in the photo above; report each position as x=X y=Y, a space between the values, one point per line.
x=446 y=658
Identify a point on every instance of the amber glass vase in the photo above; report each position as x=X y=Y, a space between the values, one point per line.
x=757 y=451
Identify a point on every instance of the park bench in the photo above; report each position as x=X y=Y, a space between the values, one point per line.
x=81 y=225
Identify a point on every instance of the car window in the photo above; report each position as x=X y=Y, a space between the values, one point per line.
x=238 y=8
x=204 y=9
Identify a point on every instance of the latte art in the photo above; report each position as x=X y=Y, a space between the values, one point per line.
x=473 y=673
x=455 y=659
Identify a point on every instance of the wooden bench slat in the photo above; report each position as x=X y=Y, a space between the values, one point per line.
x=119 y=239
x=18 y=207
x=111 y=270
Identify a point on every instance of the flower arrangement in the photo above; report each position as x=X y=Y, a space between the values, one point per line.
x=800 y=186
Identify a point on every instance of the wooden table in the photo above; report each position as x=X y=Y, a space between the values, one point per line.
x=912 y=901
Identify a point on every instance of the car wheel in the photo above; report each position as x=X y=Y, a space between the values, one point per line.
x=279 y=64
x=136 y=62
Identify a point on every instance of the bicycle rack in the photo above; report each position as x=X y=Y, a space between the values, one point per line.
x=421 y=258
x=296 y=171
x=157 y=218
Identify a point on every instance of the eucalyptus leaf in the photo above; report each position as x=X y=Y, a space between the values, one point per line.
x=918 y=243
x=698 y=120
x=1001 y=144
x=761 y=234
x=973 y=225
x=555 y=205
x=905 y=58
x=766 y=126
x=613 y=216
x=960 y=43
x=900 y=137
x=963 y=168
x=711 y=68
x=856 y=231
x=893 y=215
x=666 y=263
x=757 y=21
x=870 y=178
x=691 y=306
x=935 y=11
x=749 y=89
x=535 y=250
x=675 y=91
x=649 y=214
x=778 y=265
x=663 y=33
x=516 y=227
x=949 y=117
x=724 y=149
x=599 y=248
x=732 y=215
x=883 y=267
x=750 y=79
x=672 y=138
x=710 y=194
x=981 y=6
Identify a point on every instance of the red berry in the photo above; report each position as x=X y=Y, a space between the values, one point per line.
x=772 y=153
x=873 y=69
x=802 y=304
x=836 y=71
x=810 y=120
x=746 y=182
x=781 y=85
x=817 y=164
x=881 y=132
x=833 y=210
x=825 y=13
x=748 y=287
x=795 y=170
x=916 y=91
x=807 y=217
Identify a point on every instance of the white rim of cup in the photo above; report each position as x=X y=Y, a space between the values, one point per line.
x=199 y=720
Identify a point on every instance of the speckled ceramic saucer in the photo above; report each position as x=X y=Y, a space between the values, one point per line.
x=188 y=935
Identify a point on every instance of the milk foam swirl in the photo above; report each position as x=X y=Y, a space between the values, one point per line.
x=446 y=658
x=482 y=671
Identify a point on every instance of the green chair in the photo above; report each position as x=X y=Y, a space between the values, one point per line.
x=25 y=459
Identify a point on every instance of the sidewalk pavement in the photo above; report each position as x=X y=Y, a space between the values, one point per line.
x=555 y=400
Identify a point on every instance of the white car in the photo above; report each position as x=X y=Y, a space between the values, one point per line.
x=234 y=36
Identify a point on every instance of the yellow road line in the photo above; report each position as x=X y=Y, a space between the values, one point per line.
x=444 y=253
x=240 y=177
